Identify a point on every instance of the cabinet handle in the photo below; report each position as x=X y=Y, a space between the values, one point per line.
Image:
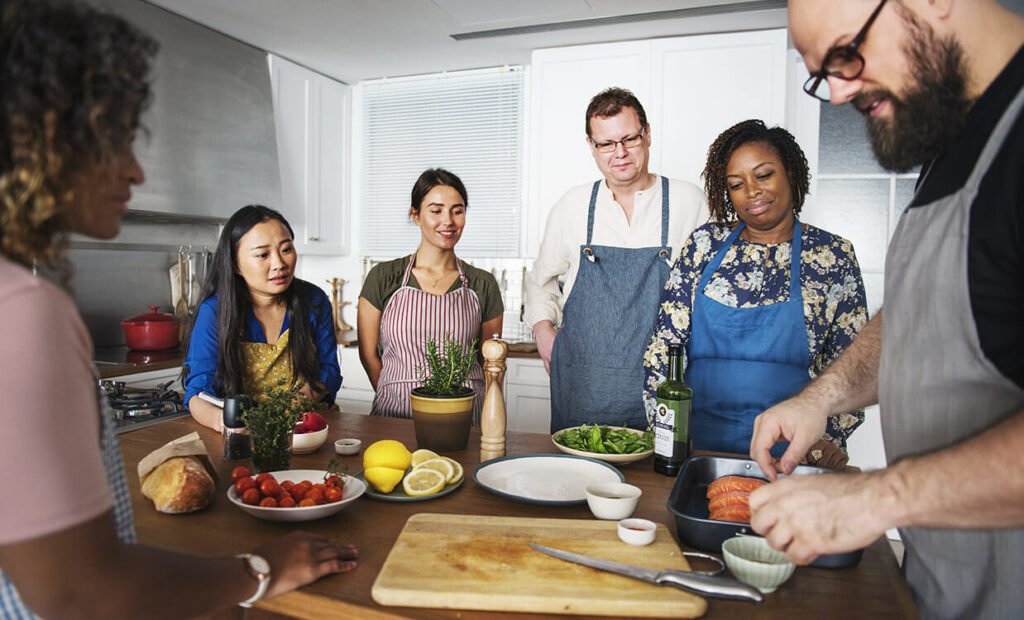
x=312 y=238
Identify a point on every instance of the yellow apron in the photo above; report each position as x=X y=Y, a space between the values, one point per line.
x=267 y=367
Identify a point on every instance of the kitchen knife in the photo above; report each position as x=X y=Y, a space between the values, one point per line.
x=717 y=586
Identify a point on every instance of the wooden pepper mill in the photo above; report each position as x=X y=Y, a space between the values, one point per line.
x=492 y=417
x=337 y=305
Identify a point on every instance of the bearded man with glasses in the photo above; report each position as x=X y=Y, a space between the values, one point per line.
x=611 y=243
x=941 y=85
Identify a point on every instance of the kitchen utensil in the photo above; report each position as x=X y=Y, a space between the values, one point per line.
x=613 y=500
x=753 y=562
x=689 y=503
x=637 y=531
x=180 y=306
x=717 y=586
x=151 y=331
x=483 y=562
x=609 y=458
x=545 y=479
x=399 y=494
x=522 y=297
x=353 y=488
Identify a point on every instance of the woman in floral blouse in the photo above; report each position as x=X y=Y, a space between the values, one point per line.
x=753 y=330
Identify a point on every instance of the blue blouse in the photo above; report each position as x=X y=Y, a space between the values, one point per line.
x=755 y=274
x=203 y=356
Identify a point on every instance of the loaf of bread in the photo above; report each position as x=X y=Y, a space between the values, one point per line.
x=179 y=484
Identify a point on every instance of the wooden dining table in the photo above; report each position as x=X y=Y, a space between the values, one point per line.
x=875 y=588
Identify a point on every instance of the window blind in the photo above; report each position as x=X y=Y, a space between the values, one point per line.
x=469 y=123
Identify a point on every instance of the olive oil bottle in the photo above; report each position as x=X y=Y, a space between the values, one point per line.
x=672 y=417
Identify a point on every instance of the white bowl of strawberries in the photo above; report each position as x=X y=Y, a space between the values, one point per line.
x=309 y=434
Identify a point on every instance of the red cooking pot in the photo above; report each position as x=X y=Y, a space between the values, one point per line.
x=151 y=331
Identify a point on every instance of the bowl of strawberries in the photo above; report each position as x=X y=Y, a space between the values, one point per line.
x=309 y=434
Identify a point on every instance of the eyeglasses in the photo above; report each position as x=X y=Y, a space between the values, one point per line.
x=843 y=62
x=630 y=142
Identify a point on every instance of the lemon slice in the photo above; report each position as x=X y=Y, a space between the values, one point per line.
x=457 y=468
x=421 y=456
x=383 y=479
x=441 y=466
x=423 y=481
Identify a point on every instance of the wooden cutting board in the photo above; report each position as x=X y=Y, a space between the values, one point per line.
x=476 y=562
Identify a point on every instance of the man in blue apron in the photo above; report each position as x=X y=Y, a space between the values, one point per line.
x=611 y=242
x=942 y=84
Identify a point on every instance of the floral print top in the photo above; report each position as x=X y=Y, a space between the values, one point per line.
x=755 y=274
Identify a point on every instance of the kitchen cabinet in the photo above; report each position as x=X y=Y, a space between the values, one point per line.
x=527 y=396
x=312 y=116
x=692 y=88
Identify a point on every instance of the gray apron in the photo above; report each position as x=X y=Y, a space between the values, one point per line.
x=597 y=373
x=936 y=388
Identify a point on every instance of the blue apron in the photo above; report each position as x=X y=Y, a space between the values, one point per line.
x=743 y=360
x=596 y=363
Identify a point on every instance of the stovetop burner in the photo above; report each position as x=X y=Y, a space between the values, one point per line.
x=133 y=407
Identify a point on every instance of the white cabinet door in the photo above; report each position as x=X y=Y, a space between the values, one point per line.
x=562 y=82
x=705 y=84
x=527 y=396
x=312 y=114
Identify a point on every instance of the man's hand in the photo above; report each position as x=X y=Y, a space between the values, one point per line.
x=544 y=333
x=300 y=559
x=808 y=516
x=791 y=420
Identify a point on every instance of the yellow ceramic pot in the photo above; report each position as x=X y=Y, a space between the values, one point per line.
x=442 y=422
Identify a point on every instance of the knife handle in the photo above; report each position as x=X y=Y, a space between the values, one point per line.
x=717 y=586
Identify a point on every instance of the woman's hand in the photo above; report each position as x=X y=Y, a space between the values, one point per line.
x=300 y=559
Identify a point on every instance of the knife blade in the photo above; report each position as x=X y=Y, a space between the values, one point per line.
x=716 y=586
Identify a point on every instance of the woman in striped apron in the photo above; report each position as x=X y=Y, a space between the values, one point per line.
x=429 y=294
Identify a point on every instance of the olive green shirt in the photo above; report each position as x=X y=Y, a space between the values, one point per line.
x=386 y=278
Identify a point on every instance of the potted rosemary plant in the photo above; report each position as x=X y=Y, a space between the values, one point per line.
x=442 y=406
x=270 y=422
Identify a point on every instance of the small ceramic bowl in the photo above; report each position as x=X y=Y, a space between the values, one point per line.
x=347 y=446
x=753 y=562
x=613 y=500
x=637 y=531
x=305 y=443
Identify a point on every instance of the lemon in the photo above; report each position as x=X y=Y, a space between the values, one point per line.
x=383 y=479
x=439 y=465
x=456 y=468
x=387 y=453
x=423 y=481
x=422 y=455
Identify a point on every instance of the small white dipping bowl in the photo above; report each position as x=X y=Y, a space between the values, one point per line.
x=637 y=531
x=613 y=500
x=753 y=562
x=347 y=446
x=308 y=442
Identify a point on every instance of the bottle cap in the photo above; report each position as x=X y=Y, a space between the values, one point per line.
x=675 y=349
x=233 y=407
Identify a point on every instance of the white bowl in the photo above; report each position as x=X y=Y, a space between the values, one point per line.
x=347 y=446
x=308 y=442
x=637 y=531
x=351 y=490
x=753 y=562
x=613 y=500
x=608 y=458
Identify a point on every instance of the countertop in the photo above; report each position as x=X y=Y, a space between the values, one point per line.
x=873 y=589
x=119 y=361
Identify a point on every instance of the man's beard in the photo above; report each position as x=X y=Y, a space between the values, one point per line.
x=929 y=117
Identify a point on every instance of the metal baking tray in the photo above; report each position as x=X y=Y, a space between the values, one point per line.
x=689 y=503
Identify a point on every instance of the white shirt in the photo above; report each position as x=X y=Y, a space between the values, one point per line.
x=566 y=231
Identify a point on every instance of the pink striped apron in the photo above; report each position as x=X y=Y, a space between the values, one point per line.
x=409 y=318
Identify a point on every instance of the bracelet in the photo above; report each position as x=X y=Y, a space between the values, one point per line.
x=260 y=569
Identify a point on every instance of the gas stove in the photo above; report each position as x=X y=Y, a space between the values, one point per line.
x=135 y=408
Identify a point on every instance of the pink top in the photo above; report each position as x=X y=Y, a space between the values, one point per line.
x=49 y=416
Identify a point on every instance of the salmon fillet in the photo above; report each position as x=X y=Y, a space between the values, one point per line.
x=735 y=514
x=727 y=484
x=726 y=500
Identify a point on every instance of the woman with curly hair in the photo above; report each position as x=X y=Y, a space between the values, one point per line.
x=74 y=83
x=756 y=326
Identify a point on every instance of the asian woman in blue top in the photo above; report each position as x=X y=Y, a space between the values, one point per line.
x=259 y=328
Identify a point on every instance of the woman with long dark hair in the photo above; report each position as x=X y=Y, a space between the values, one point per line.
x=74 y=84
x=258 y=327
x=431 y=293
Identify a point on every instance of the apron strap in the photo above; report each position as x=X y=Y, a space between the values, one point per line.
x=590 y=212
x=664 y=212
x=408 y=270
x=796 y=247
x=705 y=276
x=996 y=140
x=665 y=253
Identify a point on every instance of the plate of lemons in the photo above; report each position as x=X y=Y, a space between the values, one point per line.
x=394 y=474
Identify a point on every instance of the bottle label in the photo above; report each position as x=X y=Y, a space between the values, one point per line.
x=670 y=425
